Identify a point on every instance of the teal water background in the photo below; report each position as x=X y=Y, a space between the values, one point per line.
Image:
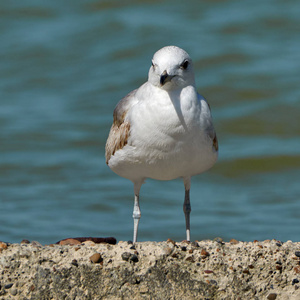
x=65 y=65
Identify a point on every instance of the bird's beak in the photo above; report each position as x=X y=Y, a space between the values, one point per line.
x=165 y=77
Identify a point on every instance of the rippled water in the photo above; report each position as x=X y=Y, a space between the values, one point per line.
x=64 y=67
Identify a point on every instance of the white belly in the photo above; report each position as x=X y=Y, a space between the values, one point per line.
x=187 y=161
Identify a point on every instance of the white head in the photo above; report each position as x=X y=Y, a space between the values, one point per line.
x=171 y=69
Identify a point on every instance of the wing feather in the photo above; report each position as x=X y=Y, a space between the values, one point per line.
x=120 y=129
x=211 y=130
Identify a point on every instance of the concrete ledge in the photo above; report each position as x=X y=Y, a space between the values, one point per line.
x=150 y=270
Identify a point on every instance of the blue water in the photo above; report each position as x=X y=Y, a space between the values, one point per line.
x=64 y=67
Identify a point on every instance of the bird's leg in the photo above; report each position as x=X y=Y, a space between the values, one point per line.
x=187 y=210
x=136 y=211
x=136 y=217
x=187 y=207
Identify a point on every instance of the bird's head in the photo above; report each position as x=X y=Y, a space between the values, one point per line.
x=171 y=69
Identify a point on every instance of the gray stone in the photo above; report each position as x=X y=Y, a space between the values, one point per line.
x=62 y=272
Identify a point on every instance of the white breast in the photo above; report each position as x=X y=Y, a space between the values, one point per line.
x=168 y=138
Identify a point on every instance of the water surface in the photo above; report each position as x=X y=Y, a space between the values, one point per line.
x=64 y=67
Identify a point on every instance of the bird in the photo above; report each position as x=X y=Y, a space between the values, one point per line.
x=163 y=130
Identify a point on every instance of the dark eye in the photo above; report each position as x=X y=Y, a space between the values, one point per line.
x=185 y=64
x=153 y=64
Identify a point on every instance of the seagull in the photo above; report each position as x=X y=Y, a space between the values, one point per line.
x=163 y=130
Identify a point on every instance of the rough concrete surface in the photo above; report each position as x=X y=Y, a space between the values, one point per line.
x=151 y=270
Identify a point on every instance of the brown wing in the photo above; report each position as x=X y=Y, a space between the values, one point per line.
x=211 y=132
x=215 y=143
x=120 y=129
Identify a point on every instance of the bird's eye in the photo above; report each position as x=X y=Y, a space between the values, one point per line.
x=185 y=64
x=153 y=64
